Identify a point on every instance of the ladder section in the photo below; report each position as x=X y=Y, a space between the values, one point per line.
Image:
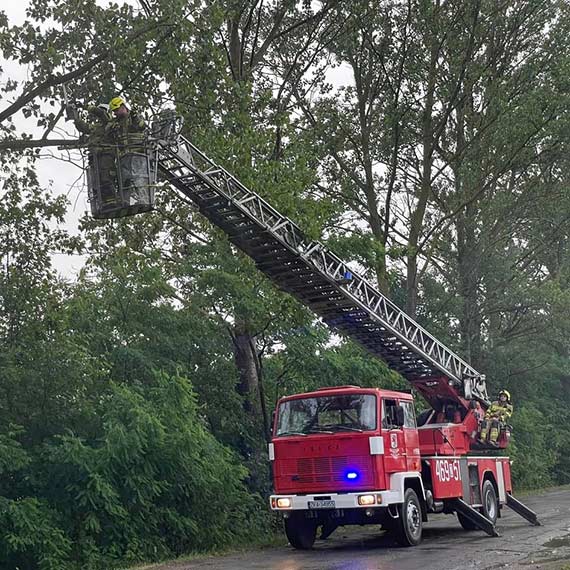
x=312 y=273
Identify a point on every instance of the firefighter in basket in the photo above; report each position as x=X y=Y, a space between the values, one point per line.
x=127 y=130
x=496 y=417
x=101 y=149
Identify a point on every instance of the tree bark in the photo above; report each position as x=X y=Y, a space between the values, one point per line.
x=469 y=267
x=25 y=144
x=374 y=217
x=417 y=217
x=246 y=357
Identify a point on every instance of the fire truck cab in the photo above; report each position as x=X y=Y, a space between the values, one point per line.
x=350 y=455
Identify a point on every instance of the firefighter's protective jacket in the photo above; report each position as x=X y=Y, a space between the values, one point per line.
x=96 y=129
x=501 y=411
x=127 y=131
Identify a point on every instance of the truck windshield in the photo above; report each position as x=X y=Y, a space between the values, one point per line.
x=327 y=414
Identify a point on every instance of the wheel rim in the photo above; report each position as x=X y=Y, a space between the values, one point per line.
x=414 y=519
x=490 y=505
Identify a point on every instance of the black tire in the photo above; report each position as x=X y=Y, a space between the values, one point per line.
x=301 y=532
x=408 y=527
x=466 y=523
x=490 y=508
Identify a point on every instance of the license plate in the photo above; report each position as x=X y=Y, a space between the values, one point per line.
x=322 y=505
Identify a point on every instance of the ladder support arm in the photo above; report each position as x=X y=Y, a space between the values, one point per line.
x=313 y=274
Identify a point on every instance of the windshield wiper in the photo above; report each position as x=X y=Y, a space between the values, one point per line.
x=342 y=427
x=316 y=429
x=291 y=433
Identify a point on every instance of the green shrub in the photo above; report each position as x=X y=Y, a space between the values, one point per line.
x=532 y=451
x=153 y=483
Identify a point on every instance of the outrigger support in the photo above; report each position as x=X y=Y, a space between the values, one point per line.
x=474 y=516
x=522 y=510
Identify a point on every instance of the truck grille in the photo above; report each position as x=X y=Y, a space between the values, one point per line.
x=324 y=469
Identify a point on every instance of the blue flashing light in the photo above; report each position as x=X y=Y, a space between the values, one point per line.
x=351 y=475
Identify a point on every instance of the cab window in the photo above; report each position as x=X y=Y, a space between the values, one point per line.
x=409 y=415
x=389 y=414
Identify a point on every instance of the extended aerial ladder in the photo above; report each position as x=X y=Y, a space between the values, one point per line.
x=313 y=274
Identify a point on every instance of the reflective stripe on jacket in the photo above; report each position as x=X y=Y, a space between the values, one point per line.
x=500 y=411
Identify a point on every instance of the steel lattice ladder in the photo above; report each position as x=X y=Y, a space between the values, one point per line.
x=312 y=273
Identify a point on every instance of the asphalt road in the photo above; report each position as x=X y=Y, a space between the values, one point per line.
x=446 y=546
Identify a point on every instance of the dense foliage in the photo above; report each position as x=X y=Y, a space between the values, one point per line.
x=135 y=400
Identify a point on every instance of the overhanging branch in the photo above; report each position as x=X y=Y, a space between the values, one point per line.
x=56 y=80
x=53 y=81
x=24 y=144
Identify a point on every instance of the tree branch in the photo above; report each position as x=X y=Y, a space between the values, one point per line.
x=53 y=81
x=56 y=80
x=23 y=144
x=272 y=35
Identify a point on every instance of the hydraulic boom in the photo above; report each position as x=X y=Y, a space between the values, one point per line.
x=309 y=271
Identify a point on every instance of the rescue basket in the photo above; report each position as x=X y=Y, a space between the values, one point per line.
x=121 y=182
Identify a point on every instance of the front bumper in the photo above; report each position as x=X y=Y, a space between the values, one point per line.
x=341 y=501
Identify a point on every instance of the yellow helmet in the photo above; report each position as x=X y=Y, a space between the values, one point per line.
x=115 y=103
x=506 y=393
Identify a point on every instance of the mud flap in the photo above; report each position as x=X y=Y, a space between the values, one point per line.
x=522 y=510
x=474 y=516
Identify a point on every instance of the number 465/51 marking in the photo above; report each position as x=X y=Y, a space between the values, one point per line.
x=447 y=470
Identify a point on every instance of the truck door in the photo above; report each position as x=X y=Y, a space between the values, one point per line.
x=411 y=437
x=394 y=442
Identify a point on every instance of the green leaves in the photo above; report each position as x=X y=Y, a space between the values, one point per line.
x=133 y=399
x=30 y=535
x=141 y=487
x=13 y=456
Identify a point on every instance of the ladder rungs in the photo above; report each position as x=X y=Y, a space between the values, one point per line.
x=308 y=270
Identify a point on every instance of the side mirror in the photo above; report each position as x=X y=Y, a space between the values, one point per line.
x=272 y=428
x=400 y=416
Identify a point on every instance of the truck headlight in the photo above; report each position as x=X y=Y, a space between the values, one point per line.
x=366 y=500
x=284 y=503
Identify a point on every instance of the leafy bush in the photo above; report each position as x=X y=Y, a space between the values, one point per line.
x=532 y=451
x=153 y=483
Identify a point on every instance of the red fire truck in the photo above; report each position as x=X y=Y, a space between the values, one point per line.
x=350 y=455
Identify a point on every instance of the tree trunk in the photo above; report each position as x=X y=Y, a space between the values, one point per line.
x=424 y=190
x=363 y=81
x=371 y=203
x=245 y=357
x=469 y=267
x=468 y=180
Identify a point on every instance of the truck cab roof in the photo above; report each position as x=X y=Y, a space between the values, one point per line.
x=349 y=389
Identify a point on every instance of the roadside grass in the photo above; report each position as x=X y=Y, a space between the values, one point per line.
x=267 y=541
x=539 y=491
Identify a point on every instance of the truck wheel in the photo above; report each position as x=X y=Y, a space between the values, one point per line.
x=301 y=532
x=408 y=527
x=490 y=507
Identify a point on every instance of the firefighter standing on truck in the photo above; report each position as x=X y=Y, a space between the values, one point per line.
x=496 y=417
x=101 y=150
